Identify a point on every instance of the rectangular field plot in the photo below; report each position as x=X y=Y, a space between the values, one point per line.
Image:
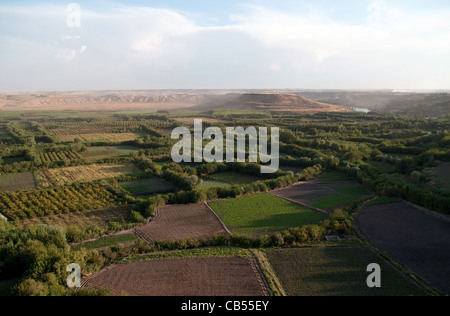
x=99 y=137
x=178 y=222
x=97 y=218
x=16 y=182
x=263 y=213
x=231 y=177
x=324 y=195
x=228 y=276
x=80 y=174
x=337 y=272
x=102 y=152
x=146 y=187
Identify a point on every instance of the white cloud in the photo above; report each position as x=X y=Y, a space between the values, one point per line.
x=137 y=47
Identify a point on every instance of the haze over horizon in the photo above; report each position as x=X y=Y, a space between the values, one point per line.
x=251 y=44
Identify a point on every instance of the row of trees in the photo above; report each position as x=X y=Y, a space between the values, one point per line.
x=148 y=207
x=434 y=200
x=83 y=197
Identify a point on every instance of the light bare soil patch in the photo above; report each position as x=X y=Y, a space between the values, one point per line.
x=177 y=222
x=415 y=238
x=232 y=276
x=100 y=218
x=98 y=137
x=16 y=182
x=77 y=174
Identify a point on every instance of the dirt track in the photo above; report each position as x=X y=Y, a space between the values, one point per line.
x=177 y=222
x=183 y=277
x=418 y=240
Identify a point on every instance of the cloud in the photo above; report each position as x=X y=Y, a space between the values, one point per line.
x=257 y=47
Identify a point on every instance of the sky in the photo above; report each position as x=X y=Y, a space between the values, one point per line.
x=224 y=44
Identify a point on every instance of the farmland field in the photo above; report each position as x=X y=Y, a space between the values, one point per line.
x=96 y=185
x=98 y=218
x=208 y=183
x=415 y=238
x=59 y=156
x=229 y=276
x=102 y=152
x=79 y=174
x=99 y=137
x=123 y=239
x=336 y=271
x=144 y=187
x=234 y=178
x=16 y=182
x=324 y=195
x=262 y=213
x=179 y=222
x=39 y=203
x=12 y=160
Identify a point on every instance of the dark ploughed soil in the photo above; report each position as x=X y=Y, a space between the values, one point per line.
x=177 y=222
x=417 y=239
x=183 y=277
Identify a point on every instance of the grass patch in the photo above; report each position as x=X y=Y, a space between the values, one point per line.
x=148 y=186
x=11 y=160
x=334 y=176
x=383 y=167
x=106 y=242
x=335 y=200
x=218 y=252
x=337 y=272
x=234 y=178
x=263 y=213
x=348 y=189
x=207 y=184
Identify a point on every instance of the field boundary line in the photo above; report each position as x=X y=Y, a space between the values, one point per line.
x=219 y=219
x=259 y=275
x=301 y=204
x=270 y=278
x=438 y=215
x=139 y=234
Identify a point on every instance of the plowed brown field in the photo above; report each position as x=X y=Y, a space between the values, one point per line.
x=232 y=276
x=177 y=222
x=414 y=237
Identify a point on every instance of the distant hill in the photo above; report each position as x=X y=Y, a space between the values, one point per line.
x=148 y=100
x=273 y=102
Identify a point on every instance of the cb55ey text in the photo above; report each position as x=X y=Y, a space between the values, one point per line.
x=229 y=306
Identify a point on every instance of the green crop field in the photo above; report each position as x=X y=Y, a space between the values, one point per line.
x=208 y=183
x=148 y=186
x=334 y=176
x=336 y=272
x=107 y=242
x=234 y=178
x=346 y=193
x=263 y=213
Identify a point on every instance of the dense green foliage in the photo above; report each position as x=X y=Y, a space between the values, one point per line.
x=393 y=156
